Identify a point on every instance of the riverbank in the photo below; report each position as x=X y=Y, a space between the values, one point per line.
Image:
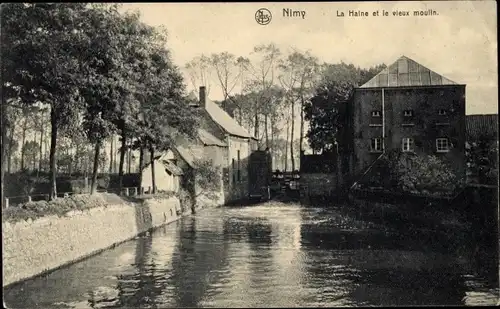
x=439 y=223
x=35 y=244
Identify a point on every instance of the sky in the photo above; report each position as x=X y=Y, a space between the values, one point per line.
x=460 y=42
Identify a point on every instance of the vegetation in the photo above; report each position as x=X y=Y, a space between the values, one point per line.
x=326 y=109
x=59 y=207
x=203 y=181
x=89 y=72
x=412 y=173
x=482 y=160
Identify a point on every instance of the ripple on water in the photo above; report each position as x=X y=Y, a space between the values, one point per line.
x=487 y=298
x=77 y=305
x=272 y=255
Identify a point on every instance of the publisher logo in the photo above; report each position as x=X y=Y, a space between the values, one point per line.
x=263 y=16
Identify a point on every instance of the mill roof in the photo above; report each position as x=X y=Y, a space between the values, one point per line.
x=406 y=72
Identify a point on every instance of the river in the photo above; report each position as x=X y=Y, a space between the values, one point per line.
x=268 y=255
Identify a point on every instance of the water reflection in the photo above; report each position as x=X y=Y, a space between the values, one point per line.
x=270 y=255
x=200 y=259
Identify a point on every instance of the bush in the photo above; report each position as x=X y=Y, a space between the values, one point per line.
x=428 y=174
x=60 y=206
x=20 y=184
x=208 y=179
x=129 y=180
x=23 y=184
x=407 y=172
x=185 y=199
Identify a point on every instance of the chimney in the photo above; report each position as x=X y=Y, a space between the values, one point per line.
x=203 y=97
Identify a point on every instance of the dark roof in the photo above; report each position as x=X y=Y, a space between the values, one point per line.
x=190 y=154
x=168 y=165
x=406 y=72
x=482 y=126
x=209 y=140
x=228 y=123
x=172 y=168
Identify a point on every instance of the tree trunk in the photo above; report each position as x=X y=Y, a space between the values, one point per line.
x=129 y=159
x=53 y=144
x=4 y=149
x=291 y=136
x=256 y=125
x=41 y=146
x=11 y=145
x=70 y=164
x=122 y=159
x=46 y=145
x=286 y=146
x=85 y=165
x=23 y=141
x=153 y=180
x=77 y=159
x=141 y=166
x=93 y=187
x=266 y=131
x=301 y=140
x=111 y=155
x=273 y=148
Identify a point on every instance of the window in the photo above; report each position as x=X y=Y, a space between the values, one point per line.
x=442 y=112
x=239 y=167
x=408 y=113
x=442 y=145
x=376 y=114
x=408 y=144
x=376 y=144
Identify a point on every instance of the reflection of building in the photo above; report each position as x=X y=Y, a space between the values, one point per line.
x=198 y=261
x=407 y=107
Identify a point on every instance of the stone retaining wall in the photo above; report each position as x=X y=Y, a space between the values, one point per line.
x=31 y=248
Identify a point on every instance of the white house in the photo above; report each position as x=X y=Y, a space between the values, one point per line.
x=167 y=174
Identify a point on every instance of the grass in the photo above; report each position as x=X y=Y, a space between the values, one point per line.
x=61 y=206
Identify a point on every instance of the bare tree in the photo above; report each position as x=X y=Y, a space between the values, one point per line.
x=263 y=73
x=229 y=71
x=288 y=80
x=298 y=78
x=199 y=70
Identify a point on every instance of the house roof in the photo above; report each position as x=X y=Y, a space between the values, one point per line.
x=482 y=125
x=406 y=72
x=209 y=140
x=227 y=122
x=172 y=168
x=168 y=165
x=189 y=154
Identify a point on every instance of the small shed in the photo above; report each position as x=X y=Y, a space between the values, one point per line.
x=167 y=175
